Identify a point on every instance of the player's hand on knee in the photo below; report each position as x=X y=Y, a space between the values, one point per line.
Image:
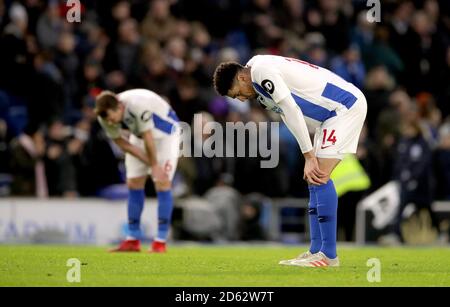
x=159 y=175
x=314 y=180
x=312 y=173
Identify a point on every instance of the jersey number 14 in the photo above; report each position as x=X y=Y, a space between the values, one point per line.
x=330 y=139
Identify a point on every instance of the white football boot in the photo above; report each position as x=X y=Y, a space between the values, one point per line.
x=299 y=257
x=316 y=260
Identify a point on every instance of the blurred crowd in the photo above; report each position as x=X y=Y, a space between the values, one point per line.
x=51 y=70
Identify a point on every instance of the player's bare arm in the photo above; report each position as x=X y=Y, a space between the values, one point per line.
x=317 y=171
x=292 y=116
x=133 y=150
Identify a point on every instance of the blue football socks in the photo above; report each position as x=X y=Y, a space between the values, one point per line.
x=165 y=206
x=135 y=205
x=314 y=229
x=327 y=201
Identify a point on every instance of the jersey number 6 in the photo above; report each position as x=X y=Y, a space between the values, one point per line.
x=167 y=166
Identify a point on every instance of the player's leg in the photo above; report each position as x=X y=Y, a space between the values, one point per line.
x=314 y=230
x=136 y=172
x=136 y=199
x=314 y=227
x=337 y=136
x=165 y=208
x=323 y=221
x=167 y=152
x=327 y=202
x=135 y=205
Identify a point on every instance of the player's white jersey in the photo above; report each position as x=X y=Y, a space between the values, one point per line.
x=144 y=110
x=318 y=92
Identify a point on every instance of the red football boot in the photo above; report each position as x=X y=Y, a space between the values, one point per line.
x=158 y=247
x=128 y=246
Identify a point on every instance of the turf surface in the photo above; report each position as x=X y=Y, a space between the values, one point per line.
x=219 y=266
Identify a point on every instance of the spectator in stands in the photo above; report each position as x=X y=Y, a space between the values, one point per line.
x=47 y=99
x=443 y=85
x=368 y=154
x=208 y=171
x=225 y=202
x=186 y=100
x=316 y=53
x=4 y=150
x=175 y=54
x=362 y=34
x=260 y=25
x=290 y=17
x=399 y=25
x=378 y=87
x=15 y=62
x=250 y=226
x=423 y=56
x=50 y=26
x=379 y=52
x=120 y=11
x=27 y=166
x=413 y=169
x=349 y=66
x=388 y=131
x=442 y=162
x=92 y=80
x=68 y=63
x=159 y=24
x=2 y=15
x=249 y=176
x=60 y=170
x=75 y=147
x=122 y=57
x=430 y=116
x=331 y=20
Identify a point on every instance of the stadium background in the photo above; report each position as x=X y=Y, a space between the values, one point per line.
x=51 y=70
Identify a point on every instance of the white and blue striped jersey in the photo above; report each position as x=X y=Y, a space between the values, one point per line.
x=144 y=110
x=318 y=92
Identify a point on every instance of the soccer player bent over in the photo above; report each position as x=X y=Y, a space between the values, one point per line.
x=153 y=147
x=305 y=96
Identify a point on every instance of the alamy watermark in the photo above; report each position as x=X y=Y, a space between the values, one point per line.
x=374 y=13
x=208 y=138
x=374 y=274
x=74 y=273
x=74 y=12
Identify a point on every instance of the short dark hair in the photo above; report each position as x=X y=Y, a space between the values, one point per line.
x=105 y=101
x=224 y=76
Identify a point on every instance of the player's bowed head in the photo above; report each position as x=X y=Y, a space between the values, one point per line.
x=109 y=108
x=234 y=80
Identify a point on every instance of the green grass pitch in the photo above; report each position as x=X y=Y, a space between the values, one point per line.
x=221 y=266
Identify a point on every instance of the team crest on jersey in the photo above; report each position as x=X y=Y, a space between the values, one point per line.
x=268 y=86
x=146 y=116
